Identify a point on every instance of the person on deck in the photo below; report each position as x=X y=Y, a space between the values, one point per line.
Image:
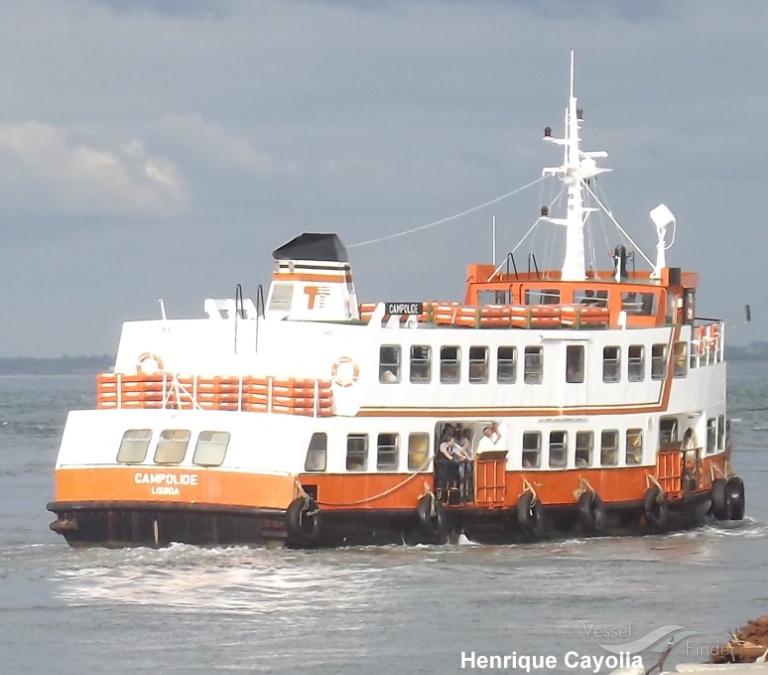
x=490 y=439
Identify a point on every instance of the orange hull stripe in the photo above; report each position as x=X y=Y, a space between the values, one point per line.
x=187 y=486
x=614 y=485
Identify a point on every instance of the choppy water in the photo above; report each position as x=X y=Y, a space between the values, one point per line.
x=358 y=610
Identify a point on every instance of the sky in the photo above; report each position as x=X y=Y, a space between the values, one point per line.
x=164 y=148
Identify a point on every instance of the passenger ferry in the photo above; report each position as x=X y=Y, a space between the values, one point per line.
x=545 y=403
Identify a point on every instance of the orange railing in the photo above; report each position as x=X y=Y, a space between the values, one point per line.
x=501 y=316
x=290 y=396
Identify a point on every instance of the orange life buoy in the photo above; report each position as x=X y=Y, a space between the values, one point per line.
x=345 y=372
x=149 y=356
x=701 y=340
x=713 y=337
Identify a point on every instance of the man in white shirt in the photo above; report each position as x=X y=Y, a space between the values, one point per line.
x=490 y=439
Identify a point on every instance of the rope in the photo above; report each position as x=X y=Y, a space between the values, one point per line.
x=652 y=479
x=584 y=486
x=303 y=495
x=444 y=220
x=386 y=492
x=527 y=487
x=713 y=468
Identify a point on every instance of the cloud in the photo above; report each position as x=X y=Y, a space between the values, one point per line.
x=202 y=8
x=53 y=169
x=196 y=138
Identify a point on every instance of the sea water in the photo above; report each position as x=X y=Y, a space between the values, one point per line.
x=573 y=606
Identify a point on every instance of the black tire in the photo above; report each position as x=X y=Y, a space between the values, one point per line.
x=656 y=509
x=734 y=492
x=432 y=520
x=530 y=516
x=591 y=513
x=720 y=505
x=303 y=521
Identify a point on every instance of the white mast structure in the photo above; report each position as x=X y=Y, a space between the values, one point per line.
x=577 y=167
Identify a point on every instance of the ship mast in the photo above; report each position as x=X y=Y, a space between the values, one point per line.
x=577 y=167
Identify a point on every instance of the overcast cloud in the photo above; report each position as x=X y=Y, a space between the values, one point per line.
x=163 y=149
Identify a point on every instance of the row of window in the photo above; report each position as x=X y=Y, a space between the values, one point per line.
x=391 y=370
x=211 y=447
x=613 y=445
x=172 y=445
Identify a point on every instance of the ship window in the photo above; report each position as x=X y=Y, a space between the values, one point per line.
x=558 y=449
x=574 y=363
x=506 y=365
x=421 y=364
x=418 y=452
x=667 y=430
x=611 y=364
x=636 y=363
x=643 y=304
x=134 y=446
x=172 y=446
x=585 y=440
x=493 y=298
x=634 y=453
x=478 y=365
x=609 y=447
x=386 y=459
x=210 y=448
x=590 y=297
x=659 y=361
x=711 y=435
x=449 y=365
x=389 y=364
x=534 y=365
x=720 y=431
x=357 y=452
x=531 y=449
x=548 y=296
x=317 y=452
x=680 y=359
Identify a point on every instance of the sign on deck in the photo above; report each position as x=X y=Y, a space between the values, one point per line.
x=404 y=307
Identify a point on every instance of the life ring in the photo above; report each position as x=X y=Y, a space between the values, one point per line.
x=656 y=509
x=734 y=492
x=530 y=515
x=591 y=513
x=149 y=356
x=303 y=521
x=432 y=520
x=718 y=495
x=701 y=340
x=345 y=371
x=713 y=337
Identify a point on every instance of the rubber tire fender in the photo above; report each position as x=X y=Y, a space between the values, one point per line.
x=734 y=492
x=591 y=513
x=435 y=527
x=720 y=506
x=530 y=515
x=303 y=521
x=656 y=510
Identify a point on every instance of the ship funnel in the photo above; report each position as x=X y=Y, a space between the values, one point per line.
x=312 y=280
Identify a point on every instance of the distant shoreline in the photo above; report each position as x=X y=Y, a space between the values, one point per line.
x=90 y=365
x=63 y=365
